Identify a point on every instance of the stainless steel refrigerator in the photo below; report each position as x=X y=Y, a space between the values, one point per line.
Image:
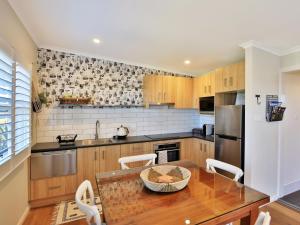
x=230 y=134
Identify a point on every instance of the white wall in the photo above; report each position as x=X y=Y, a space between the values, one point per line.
x=261 y=137
x=290 y=136
x=54 y=121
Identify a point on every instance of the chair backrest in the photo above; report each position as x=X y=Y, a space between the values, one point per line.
x=90 y=210
x=136 y=158
x=211 y=164
x=263 y=218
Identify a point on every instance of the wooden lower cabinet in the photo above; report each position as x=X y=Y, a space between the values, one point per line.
x=93 y=160
x=52 y=187
x=86 y=164
x=197 y=150
x=136 y=149
x=107 y=158
x=186 y=147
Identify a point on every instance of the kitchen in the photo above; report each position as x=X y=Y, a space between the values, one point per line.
x=92 y=108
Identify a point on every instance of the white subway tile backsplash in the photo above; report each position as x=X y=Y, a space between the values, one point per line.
x=140 y=121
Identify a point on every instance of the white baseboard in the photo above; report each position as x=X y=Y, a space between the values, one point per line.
x=24 y=215
x=291 y=187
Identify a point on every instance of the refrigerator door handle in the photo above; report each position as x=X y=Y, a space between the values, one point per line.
x=227 y=137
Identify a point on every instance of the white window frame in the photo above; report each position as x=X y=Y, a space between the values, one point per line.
x=14 y=153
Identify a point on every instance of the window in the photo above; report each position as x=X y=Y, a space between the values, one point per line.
x=15 y=108
x=22 y=109
x=6 y=106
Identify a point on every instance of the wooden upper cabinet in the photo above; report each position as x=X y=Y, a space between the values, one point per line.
x=159 y=89
x=196 y=91
x=230 y=78
x=184 y=93
x=219 y=80
x=169 y=88
x=241 y=76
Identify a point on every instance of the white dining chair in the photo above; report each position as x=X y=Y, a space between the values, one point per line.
x=90 y=210
x=137 y=158
x=211 y=164
x=263 y=218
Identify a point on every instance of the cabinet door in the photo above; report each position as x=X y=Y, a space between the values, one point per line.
x=184 y=92
x=186 y=146
x=136 y=149
x=219 y=80
x=230 y=78
x=205 y=149
x=169 y=87
x=86 y=165
x=196 y=92
x=52 y=187
x=211 y=153
x=211 y=85
x=241 y=76
x=108 y=158
x=196 y=152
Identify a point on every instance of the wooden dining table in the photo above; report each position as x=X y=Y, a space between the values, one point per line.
x=209 y=198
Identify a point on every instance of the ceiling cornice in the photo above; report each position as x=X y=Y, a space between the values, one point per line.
x=273 y=51
x=112 y=59
x=291 y=51
x=258 y=45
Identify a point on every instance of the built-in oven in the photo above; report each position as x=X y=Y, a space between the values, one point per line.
x=167 y=152
x=53 y=163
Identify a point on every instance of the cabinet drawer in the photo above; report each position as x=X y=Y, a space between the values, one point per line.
x=52 y=187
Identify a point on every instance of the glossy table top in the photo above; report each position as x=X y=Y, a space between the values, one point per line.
x=125 y=200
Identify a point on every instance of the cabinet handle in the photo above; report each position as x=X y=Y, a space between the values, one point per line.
x=205 y=88
x=102 y=154
x=230 y=81
x=209 y=89
x=95 y=156
x=205 y=148
x=165 y=95
x=225 y=82
x=54 y=187
x=200 y=147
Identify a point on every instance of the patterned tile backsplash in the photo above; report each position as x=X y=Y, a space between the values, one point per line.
x=108 y=83
x=54 y=121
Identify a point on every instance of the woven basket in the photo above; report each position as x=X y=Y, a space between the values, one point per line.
x=166 y=187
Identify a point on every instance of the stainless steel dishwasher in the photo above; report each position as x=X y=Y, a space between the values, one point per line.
x=53 y=163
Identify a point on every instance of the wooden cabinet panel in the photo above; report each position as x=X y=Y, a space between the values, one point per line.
x=52 y=187
x=136 y=149
x=107 y=158
x=219 y=80
x=159 y=89
x=211 y=153
x=186 y=146
x=184 y=93
x=230 y=78
x=241 y=76
x=196 y=91
x=86 y=165
x=200 y=151
x=169 y=87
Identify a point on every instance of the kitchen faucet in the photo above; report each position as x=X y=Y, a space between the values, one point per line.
x=97 y=135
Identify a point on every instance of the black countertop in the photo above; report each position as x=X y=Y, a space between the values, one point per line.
x=53 y=146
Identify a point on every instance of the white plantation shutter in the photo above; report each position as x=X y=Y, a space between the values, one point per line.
x=22 y=109
x=6 y=107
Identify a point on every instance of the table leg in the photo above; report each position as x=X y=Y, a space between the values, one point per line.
x=251 y=219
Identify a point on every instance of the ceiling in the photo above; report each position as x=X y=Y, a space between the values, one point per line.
x=162 y=34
